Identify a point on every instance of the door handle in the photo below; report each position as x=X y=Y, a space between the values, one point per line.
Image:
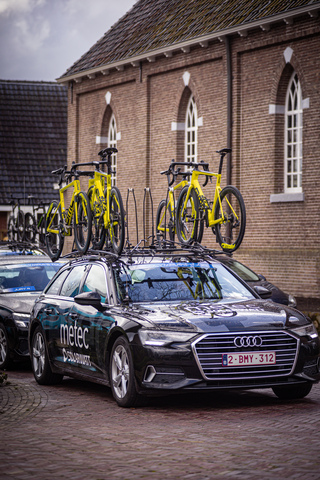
x=49 y=310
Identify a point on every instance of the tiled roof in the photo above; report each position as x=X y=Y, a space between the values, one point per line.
x=33 y=138
x=156 y=24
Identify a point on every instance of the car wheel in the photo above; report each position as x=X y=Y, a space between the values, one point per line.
x=122 y=375
x=5 y=359
x=40 y=362
x=293 y=392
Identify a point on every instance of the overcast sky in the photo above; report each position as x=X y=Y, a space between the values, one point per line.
x=40 y=39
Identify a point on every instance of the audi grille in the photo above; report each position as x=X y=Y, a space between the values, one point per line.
x=210 y=349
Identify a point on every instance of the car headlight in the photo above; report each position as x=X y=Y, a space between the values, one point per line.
x=160 y=339
x=21 y=319
x=292 y=301
x=306 y=331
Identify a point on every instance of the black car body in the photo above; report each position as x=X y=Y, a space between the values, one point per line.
x=22 y=278
x=253 y=279
x=158 y=324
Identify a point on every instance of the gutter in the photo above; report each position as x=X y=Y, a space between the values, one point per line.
x=229 y=106
x=150 y=56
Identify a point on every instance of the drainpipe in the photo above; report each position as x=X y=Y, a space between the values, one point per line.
x=229 y=105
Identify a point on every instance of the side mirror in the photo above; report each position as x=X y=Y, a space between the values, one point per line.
x=92 y=299
x=262 y=277
x=262 y=292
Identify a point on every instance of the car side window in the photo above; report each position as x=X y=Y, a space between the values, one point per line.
x=55 y=286
x=71 y=286
x=96 y=282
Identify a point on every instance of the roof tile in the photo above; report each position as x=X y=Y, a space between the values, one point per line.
x=155 y=24
x=33 y=138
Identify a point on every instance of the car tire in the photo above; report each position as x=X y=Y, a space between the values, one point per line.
x=5 y=360
x=40 y=361
x=121 y=373
x=292 y=392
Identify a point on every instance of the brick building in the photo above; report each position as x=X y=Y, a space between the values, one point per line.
x=33 y=142
x=176 y=78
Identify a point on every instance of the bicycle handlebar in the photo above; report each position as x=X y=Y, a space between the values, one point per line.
x=223 y=152
x=68 y=175
x=60 y=171
x=174 y=173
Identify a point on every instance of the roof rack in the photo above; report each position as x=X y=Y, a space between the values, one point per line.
x=23 y=246
x=172 y=249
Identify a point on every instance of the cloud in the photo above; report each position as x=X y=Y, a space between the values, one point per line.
x=18 y=6
x=41 y=39
x=32 y=35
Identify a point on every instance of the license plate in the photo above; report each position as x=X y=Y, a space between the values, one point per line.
x=248 y=358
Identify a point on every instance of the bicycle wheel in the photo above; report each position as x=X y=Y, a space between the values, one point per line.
x=230 y=231
x=30 y=228
x=42 y=229
x=53 y=236
x=200 y=232
x=164 y=222
x=116 y=232
x=11 y=229
x=187 y=218
x=20 y=226
x=98 y=235
x=83 y=227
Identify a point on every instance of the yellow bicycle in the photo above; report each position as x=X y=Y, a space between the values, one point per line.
x=165 y=218
x=62 y=221
x=226 y=214
x=108 y=215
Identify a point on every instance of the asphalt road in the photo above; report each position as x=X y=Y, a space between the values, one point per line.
x=76 y=431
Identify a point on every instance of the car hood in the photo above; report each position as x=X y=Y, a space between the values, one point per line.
x=18 y=302
x=202 y=316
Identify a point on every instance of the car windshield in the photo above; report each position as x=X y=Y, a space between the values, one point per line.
x=178 y=281
x=26 y=277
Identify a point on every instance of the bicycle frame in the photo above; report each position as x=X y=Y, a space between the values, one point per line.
x=17 y=219
x=66 y=214
x=170 y=204
x=204 y=204
x=98 y=182
x=39 y=217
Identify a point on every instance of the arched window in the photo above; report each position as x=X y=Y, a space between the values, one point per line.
x=112 y=142
x=191 y=132
x=293 y=137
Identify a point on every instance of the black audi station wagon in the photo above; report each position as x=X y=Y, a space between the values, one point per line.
x=154 y=324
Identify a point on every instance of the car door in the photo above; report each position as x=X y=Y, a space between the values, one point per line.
x=56 y=320
x=92 y=326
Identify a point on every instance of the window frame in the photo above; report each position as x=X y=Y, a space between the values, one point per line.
x=191 y=130
x=66 y=281
x=293 y=144
x=112 y=143
x=89 y=270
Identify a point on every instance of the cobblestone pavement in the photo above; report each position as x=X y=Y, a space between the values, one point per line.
x=76 y=431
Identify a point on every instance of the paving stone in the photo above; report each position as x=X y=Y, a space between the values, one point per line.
x=76 y=431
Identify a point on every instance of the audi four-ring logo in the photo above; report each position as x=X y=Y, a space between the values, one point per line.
x=250 y=341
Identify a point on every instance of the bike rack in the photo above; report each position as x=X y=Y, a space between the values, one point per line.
x=131 y=190
x=148 y=195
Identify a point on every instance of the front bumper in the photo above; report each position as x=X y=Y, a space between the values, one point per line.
x=199 y=367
